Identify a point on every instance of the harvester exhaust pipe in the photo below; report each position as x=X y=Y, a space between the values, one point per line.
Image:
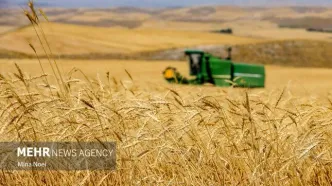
x=229 y=53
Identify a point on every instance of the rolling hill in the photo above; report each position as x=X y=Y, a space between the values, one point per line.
x=263 y=35
x=270 y=23
x=72 y=39
x=206 y=14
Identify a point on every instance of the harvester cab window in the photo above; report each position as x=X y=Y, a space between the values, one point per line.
x=195 y=61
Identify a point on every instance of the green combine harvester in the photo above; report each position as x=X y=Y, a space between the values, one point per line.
x=220 y=72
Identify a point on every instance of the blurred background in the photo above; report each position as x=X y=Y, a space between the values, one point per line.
x=279 y=34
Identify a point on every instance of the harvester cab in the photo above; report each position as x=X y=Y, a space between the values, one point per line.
x=220 y=72
x=195 y=61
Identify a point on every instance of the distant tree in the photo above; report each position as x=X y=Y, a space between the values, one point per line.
x=226 y=31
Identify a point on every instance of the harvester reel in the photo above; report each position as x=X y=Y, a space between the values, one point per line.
x=173 y=76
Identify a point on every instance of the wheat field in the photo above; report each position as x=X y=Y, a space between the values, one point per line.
x=169 y=134
x=172 y=134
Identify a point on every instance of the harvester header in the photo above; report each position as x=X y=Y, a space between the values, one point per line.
x=220 y=72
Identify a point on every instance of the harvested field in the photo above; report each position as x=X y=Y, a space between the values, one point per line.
x=72 y=39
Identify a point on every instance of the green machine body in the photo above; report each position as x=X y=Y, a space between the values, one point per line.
x=220 y=72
